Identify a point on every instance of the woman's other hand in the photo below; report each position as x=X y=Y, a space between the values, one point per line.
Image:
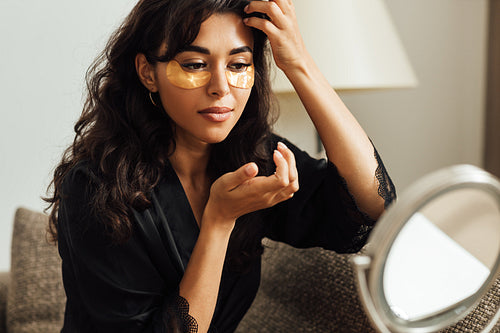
x=241 y=192
x=282 y=30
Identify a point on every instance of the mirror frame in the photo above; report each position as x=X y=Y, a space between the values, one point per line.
x=370 y=264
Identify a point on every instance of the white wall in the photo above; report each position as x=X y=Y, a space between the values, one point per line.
x=46 y=49
x=439 y=123
x=47 y=46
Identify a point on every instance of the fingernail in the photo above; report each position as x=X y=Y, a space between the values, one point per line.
x=245 y=20
x=278 y=153
x=282 y=145
x=249 y=169
x=246 y=8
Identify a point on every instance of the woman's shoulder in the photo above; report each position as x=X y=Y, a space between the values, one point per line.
x=82 y=175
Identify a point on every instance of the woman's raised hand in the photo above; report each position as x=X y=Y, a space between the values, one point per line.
x=240 y=192
x=282 y=31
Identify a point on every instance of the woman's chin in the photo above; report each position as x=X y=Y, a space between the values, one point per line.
x=215 y=136
x=209 y=138
x=215 y=139
x=206 y=136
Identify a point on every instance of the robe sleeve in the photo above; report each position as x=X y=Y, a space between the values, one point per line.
x=114 y=287
x=323 y=213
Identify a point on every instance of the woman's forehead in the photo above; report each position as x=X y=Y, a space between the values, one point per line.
x=219 y=32
x=224 y=31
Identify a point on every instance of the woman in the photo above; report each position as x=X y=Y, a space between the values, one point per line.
x=174 y=176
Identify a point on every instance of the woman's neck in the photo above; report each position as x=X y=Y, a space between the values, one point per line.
x=190 y=161
x=190 y=164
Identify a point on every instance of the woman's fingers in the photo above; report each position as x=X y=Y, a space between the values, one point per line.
x=290 y=158
x=284 y=180
x=232 y=180
x=285 y=5
x=264 y=25
x=241 y=192
x=281 y=173
x=284 y=183
x=270 y=8
x=293 y=181
x=282 y=31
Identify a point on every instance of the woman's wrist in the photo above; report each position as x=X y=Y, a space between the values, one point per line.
x=216 y=223
x=300 y=66
x=305 y=74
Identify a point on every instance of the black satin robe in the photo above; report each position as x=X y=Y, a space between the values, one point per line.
x=133 y=287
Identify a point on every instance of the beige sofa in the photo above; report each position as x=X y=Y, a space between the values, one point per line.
x=302 y=290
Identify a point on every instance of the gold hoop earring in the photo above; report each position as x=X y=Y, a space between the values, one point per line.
x=152 y=100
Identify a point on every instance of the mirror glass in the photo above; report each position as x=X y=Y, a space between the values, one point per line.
x=443 y=254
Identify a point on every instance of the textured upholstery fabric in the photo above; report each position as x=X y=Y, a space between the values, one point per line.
x=481 y=315
x=4 y=285
x=305 y=290
x=313 y=290
x=36 y=299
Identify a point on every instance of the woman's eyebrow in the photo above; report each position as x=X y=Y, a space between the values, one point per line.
x=204 y=50
x=195 y=48
x=240 y=49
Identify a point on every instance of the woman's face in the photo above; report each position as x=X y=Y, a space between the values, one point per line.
x=207 y=113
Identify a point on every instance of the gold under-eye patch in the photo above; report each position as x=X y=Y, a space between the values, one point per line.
x=191 y=80
x=242 y=80
x=184 y=79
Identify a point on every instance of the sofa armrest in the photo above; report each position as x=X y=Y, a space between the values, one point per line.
x=4 y=287
x=36 y=296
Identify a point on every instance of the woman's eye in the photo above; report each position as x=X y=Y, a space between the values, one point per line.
x=194 y=66
x=239 y=67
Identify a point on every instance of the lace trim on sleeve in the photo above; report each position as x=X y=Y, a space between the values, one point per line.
x=386 y=189
x=361 y=223
x=178 y=319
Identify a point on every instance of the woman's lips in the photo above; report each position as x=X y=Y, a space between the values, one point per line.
x=216 y=114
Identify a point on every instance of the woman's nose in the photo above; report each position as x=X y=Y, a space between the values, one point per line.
x=218 y=85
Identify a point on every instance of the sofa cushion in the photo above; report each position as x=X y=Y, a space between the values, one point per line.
x=305 y=290
x=4 y=287
x=314 y=290
x=482 y=314
x=36 y=298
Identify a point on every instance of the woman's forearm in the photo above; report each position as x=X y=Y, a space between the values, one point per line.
x=200 y=284
x=346 y=144
x=232 y=195
x=345 y=141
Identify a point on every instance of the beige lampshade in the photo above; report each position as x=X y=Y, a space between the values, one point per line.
x=354 y=43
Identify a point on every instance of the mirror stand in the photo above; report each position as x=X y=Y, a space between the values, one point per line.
x=434 y=254
x=361 y=266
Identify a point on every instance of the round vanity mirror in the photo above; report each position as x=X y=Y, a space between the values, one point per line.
x=434 y=253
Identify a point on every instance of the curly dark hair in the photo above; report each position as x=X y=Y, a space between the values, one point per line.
x=128 y=140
